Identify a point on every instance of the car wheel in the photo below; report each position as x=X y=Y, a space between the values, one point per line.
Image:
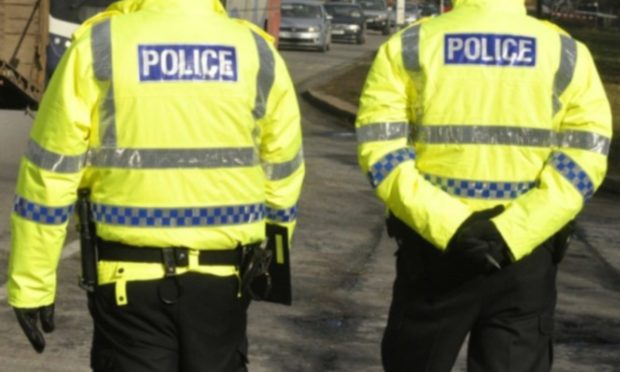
x=386 y=30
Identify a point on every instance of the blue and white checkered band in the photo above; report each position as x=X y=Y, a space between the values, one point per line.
x=41 y=213
x=282 y=215
x=480 y=189
x=489 y=49
x=381 y=169
x=187 y=62
x=178 y=217
x=573 y=173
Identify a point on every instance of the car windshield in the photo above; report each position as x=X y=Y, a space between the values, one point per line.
x=373 y=4
x=301 y=11
x=343 y=10
x=412 y=8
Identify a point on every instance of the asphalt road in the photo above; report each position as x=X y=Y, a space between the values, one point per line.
x=342 y=264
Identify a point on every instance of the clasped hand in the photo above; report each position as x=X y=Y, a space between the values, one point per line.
x=478 y=242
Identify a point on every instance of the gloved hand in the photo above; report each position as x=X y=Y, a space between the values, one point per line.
x=27 y=319
x=478 y=242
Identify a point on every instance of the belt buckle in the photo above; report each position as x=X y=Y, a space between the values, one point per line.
x=181 y=256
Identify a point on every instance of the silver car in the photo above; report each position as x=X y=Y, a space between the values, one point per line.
x=304 y=23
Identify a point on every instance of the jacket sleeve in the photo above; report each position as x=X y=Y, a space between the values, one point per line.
x=577 y=164
x=387 y=155
x=281 y=151
x=49 y=175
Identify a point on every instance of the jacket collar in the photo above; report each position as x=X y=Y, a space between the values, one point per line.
x=513 y=6
x=192 y=6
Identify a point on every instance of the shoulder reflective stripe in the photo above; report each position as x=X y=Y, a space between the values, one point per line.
x=101 y=44
x=282 y=215
x=480 y=189
x=278 y=171
x=381 y=169
x=488 y=135
x=585 y=140
x=178 y=217
x=173 y=158
x=41 y=213
x=568 y=168
x=265 y=78
x=382 y=131
x=108 y=118
x=52 y=161
x=566 y=70
x=411 y=48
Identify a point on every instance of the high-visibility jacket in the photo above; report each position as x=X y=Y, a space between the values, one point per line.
x=482 y=106
x=184 y=125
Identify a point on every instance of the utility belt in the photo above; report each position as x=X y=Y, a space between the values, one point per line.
x=172 y=258
x=169 y=257
x=256 y=263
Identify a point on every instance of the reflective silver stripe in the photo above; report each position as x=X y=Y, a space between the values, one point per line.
x=265 y=78
x=488 y=135
x=108 y=118
x=52 y=161
x=178 y=217
x=564 y=75
x=173 y=158
x=102 y=50
x=411 y=48
x=516 y=136
x=101 y=45
x=585 y=140
x=382 y=131
x=278 y=171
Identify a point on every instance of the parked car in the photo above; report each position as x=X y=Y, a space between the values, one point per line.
x=304 y=23
x=413 y=12
x=429 y=10
x=378 y=15
x=348 y=22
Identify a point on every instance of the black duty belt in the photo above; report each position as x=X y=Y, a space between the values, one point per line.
x=175 y=256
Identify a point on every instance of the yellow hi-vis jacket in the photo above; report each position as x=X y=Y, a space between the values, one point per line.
x=484 y=106
x=184 y=124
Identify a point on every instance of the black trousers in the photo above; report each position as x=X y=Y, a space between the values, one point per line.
x=437 y=301
x=204 y=330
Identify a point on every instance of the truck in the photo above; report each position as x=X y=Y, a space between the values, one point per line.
x=35 y=33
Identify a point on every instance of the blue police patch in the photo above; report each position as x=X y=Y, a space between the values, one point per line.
x=489 y=49
x=187 y=62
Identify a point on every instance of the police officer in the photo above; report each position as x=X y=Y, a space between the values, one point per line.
x=184 y=125
x=484 y=131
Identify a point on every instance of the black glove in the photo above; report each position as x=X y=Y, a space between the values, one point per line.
x=27 y=319
x=478 y=242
